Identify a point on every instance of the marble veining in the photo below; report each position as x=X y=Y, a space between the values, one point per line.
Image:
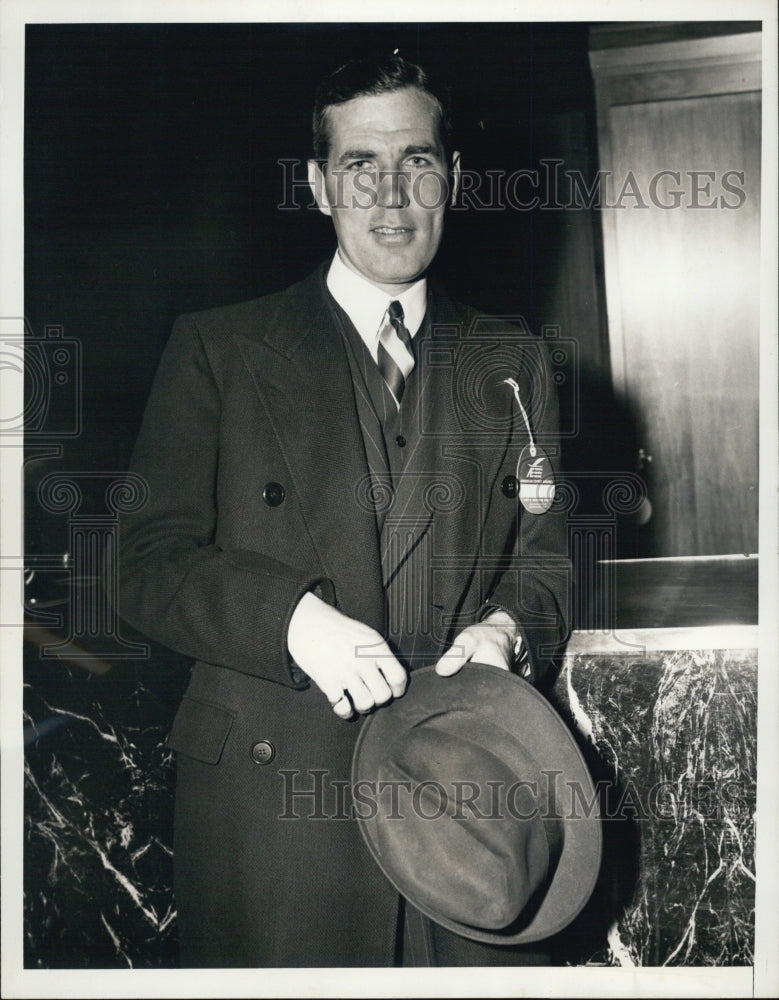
x=98 y=816
x=670 y=738
x=675 y=735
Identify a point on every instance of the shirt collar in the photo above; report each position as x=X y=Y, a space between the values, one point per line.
x=365 y=304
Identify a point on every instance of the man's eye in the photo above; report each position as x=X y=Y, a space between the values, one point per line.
x=419 y=161
x=360 y=165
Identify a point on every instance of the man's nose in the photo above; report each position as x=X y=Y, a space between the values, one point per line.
x=394 y=188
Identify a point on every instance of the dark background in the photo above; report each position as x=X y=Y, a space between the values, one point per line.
x=152 y=183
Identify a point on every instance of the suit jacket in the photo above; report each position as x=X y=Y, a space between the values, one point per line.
x=258 y=482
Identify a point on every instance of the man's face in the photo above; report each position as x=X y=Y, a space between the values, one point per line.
x=385 y=185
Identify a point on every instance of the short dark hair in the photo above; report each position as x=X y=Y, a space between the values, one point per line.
x=364 y=77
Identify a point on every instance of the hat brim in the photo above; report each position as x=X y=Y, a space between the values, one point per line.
x=498 y=698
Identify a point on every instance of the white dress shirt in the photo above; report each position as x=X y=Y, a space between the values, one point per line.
x=366 y=306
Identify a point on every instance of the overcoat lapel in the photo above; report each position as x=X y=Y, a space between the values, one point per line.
x=451 y=462
x=370 y=422
x=302 y=374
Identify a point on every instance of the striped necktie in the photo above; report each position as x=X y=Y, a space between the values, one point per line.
x=395 y=355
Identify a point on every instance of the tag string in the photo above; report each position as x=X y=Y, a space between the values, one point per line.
x=514 y=385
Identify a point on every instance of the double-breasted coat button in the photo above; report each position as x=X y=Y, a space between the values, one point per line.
x=263 y=752
x=273 y=494
x=510 y=487
x=400 y=441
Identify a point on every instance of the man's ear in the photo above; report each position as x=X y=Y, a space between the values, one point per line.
x=455 y=172
x=316 y=180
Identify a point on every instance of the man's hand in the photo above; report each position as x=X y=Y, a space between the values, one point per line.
x=348 y=661
x=488 y=641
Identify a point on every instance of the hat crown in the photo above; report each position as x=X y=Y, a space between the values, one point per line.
x=476 y=839
x=488 y=715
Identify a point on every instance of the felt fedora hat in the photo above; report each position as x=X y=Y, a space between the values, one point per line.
x=477 y=805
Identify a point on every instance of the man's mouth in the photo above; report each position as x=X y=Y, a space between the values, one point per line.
x=391 y=230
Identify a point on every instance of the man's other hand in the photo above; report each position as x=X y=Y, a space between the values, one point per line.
x=350 y=662
x=488 y=641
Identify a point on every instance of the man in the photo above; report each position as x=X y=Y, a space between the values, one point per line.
x=332 y=504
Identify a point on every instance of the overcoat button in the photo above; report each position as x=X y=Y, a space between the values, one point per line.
x=263 y=752
x=510 y=487
x=273 y=494
x=400 y=441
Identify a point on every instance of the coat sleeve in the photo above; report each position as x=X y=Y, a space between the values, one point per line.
x=229 y=607
x=535 y=585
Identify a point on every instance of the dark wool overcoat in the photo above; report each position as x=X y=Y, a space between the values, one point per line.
x=259 y=491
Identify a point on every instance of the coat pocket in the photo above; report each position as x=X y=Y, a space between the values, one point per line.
x=200 y=729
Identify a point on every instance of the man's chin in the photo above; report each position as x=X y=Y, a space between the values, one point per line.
x=393 y=266
x=395 y=283
x=397 y=271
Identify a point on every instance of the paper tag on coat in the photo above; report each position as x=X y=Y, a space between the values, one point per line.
x=536 y=480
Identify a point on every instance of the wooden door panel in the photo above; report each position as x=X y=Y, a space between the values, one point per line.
x=689 y=278
x=679 y=139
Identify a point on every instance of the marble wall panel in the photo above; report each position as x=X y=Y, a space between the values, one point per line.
x=672 y=734
x=98 y=814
